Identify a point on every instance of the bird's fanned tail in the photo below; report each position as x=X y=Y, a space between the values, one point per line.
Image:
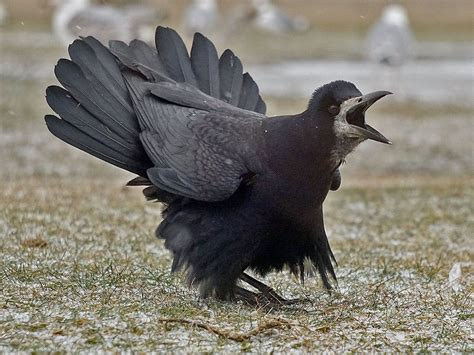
x=221 y=78
x=95 y=107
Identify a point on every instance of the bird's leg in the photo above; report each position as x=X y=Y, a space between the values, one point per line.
x=267 y=291
x=251 y=298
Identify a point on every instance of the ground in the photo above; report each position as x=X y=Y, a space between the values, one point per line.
x=80 y=268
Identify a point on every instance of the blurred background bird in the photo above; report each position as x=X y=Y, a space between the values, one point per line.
x=74 y=18
x=3 y=14
x=201 y=16
x=269 y=17
x=390 y=41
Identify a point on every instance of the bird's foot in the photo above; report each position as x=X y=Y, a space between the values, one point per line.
x=251 y=298
x=267 y=296
x=261 y=299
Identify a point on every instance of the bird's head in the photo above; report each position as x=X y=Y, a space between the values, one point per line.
x=395 y=15
x=342 y=105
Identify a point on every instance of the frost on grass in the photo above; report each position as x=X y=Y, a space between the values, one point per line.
x=99 y=280
x=455 y=276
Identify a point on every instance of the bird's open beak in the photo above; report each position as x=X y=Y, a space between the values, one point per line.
x=355 y=116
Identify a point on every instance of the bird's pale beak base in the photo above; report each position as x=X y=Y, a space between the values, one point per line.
x=355 y=116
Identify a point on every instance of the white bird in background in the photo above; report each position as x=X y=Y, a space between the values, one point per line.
x=3 y=14
x=201 y=16
x=270 y=18
x=74 y=18
x=390 y=41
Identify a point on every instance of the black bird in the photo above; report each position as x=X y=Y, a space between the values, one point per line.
x=242 y=191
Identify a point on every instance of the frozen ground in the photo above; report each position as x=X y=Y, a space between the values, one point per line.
x=81 y=270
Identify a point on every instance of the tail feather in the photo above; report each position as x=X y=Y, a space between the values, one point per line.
x=73 y=136
x=83 y=55
x=95 y=109
x=261 y=106
x=147 y=55
x=95 y=98
x=174 y=55
x=205 y=64
x=71 y=111
x=248 y=94
x=138 y=56
x=230 y=73
x=106 y=59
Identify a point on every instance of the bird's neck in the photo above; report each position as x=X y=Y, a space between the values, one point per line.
x=299 y=161
x=303 y=142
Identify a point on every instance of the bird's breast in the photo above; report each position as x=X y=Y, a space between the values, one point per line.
x=293 y=196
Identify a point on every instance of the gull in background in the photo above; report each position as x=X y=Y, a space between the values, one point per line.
x=390 y=41
x=74 y=18
x=201 y=16
x=3 y=14
x=271 y=18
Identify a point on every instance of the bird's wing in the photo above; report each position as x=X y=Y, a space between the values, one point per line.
x=189 y=124
x=201 y=147
x=199 y=114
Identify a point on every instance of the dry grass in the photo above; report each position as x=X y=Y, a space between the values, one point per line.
x=81 y=270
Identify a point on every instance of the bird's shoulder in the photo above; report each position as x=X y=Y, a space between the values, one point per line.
x=227 y=123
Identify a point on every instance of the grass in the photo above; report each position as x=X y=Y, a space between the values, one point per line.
x=81 y=270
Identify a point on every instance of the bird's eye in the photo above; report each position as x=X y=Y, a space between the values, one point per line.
x=333 y=109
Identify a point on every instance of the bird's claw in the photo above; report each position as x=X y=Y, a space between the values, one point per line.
x=265 y=299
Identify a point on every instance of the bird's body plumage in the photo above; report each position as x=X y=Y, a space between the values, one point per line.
x=271 y=222
x=241 y=190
